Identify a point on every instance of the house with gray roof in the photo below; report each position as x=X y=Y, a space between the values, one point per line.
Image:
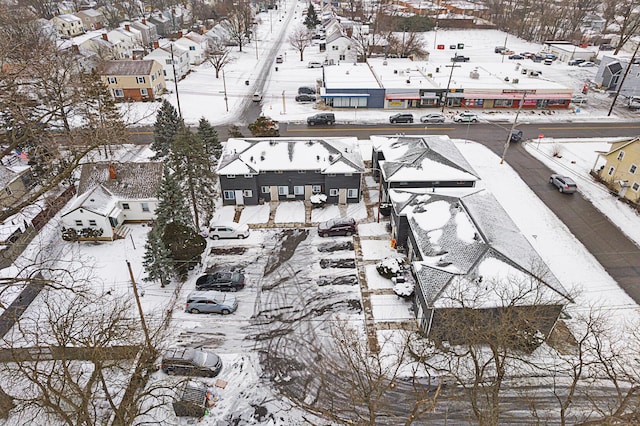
x=258 y=170
x=473 y=267
x=110 y=194
x=133 y=80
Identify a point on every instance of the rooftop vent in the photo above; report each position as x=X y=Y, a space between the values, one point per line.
x=474 y=74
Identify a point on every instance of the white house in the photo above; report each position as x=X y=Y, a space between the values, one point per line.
x=196 y=45
x=110 y=194
x=164 y=53
x=147 y=30
x=340 y=47
x=68 y=25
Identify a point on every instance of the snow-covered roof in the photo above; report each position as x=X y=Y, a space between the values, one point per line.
x=98 y=200
x=458 y=237
x=327 y=155
x=10 y=173
x=132 y=180
x=423 y=159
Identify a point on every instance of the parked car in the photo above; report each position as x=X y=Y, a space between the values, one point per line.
x=548 y=61
x=314 y=64
x=306 y=90
x=223 y=281
x=339 y=226
x=551 y=56
x=465 y=117
x=499 y=49
x=191 y=362
x=605 y=46
x=587 y=64
x=279 y=59
x=435 y=117
x=634 y=102
x=228 y=230
x=507 y=52
x=564 y=183
x=516 y=56
x=401 y=118
x=306 y=98
x=327 y=118
x=579 y=99
x=577 y=61
x=516 y=135
x=213 y=302
x=257 y=97
x=460 y=58
x=537 y=58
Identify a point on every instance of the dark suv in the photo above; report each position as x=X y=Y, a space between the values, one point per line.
x=223 y=281
x=401 y=118
x=191 y=362
x=339 y=226
x=322 y=118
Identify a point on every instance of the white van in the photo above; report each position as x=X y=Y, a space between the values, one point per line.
x=634 y=102
x=257 y=97
x=228 y=230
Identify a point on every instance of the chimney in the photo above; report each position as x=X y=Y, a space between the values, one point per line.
x=179 y=34
x=112 y=171
x=156 y=44
x=127 y=27
x=104 y=36
x=144 y=21
x=160 y=15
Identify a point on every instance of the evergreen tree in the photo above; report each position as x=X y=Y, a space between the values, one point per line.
x=209 y=137
x=186 y=247
x=157 y=258
x=234 y=132
x=194 y=169
x=172 y=205
x=312 y=19
x=167 y=124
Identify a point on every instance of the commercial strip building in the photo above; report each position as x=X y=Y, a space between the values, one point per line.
x=399 y=83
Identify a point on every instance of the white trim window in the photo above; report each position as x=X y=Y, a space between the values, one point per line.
x=352 y=193
x=92 y=222
x=112 y=80
x=333 y=192
x=620 y=155
x=145 y=207
x=316 y=189
x=265 y=189
x=633 y=169
x=610 y=172
x=231 y=176
x=144 y=92
x=247 y=193
x=118 y=93
x=283 y=190
x=229 y=195
x=298 y=190
x=141 y=80
x=78 y=222
x=635 y=186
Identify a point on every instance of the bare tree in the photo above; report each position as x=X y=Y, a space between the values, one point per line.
x=407 y=44
x=218 y=55
x=628 y=21
x=300 y=38
x=238 y=22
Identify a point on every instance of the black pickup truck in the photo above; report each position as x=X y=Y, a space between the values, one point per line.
x=460 y=58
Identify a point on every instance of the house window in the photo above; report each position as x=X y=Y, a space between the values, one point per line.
x=247 y=193
x=192 y=48
x=342 y=57
x=316 y=189
x=167 y=61
x=620 y=155
x=153 y=77
x=349 y=47
x=348 y=174
x=334 y=47
x=302 y=171
x=145 y=207
x=264 y=189
x=118 y=93
x=231 y=176
x=279 y=172
x=125 y=206
x=92 y=222
x=140 y=80
x=248 y=176
x=635 y=186
x=298 y=190
x=78 y=223
x=112 y=80
x=333 y=192
x=283 y=190
x=352 y=193
x=633 y=169
x=610 y=172
x=144 y=92
x=229 y=195
x=331 y=175
x=8 y=190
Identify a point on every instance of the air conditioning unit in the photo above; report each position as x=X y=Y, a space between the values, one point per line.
x=516 y=80
x=474 y=75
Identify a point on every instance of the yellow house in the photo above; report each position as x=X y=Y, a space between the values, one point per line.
x=620 y=171
x=133 y=80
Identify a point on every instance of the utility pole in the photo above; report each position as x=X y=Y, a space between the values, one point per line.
x=513 y=126
x=624 y=77
x=175 y=79
x=224 y=85
x=137 y=297
x=255 y=38
x=444 y=102
x=284 y=104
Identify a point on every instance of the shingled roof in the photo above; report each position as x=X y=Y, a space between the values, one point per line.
x=132 y=180
x=127 y=67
